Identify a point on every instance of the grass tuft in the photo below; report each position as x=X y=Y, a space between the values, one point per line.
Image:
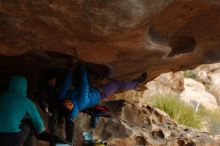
x=189 y=74
x=212 y=118
x=179 y=111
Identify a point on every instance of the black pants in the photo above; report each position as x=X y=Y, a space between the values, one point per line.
x=69 y=126
x=14 y=138
x=52 y=123
x=69 y=130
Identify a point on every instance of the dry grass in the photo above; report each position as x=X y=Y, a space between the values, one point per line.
x=179 y=111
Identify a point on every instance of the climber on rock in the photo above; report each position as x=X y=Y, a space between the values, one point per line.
x=86 y=96
x=19 y=117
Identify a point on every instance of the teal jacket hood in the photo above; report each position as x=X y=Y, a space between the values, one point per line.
x=15 y=106
x=18 y=84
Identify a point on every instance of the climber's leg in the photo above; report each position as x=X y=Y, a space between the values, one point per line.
x=116 y=86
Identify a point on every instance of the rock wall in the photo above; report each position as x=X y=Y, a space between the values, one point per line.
x=195 y=93
x=210 y=76
x=134 y=125
x=128 y=36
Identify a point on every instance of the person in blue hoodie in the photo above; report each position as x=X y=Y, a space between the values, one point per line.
x=86 y=96
x=14 y=107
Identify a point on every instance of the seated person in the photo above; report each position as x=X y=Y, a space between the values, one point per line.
x=14 y=107
x=86 y=96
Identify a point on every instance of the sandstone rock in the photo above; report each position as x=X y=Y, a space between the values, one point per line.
x=209 y=67
x=209 y=74
x=215 y=86
x=193 y=84
x=127 y=36
x=132 y=125
x=195 y=93
x=205 y=71
x=131 y=95
x=217 y=137
x=203 y=77
x=168 y=83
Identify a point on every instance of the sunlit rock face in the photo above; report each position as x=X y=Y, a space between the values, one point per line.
x=210 y=76
x=133 y=125
x=128 y=36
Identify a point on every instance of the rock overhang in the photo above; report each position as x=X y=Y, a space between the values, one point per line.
x=127 y=36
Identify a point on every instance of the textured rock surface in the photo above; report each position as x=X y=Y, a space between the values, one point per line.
x=168 y=83
x=140 y=126
x=210 y=75
x=195 y=93
x=128 y=36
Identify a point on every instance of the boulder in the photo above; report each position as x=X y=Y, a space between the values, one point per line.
x=215 y=86
x=134 y=125
x=195 y=94
x=167 y=83
x=209 y=75
x=204 y=72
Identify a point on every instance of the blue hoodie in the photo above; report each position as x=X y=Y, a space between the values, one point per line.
x=14 y=106
x=84 y=97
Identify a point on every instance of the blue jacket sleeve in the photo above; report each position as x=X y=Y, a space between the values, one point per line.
x=83 y=98
x=66 y=86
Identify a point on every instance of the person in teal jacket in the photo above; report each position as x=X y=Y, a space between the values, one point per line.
x=14 y=107
x=86 y=96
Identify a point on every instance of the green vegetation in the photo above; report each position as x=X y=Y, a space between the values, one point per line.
x=207 y=86
x=179 y=111
x=189 y=74
x=184 y=114
x=212 y=118
x=214 y=121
